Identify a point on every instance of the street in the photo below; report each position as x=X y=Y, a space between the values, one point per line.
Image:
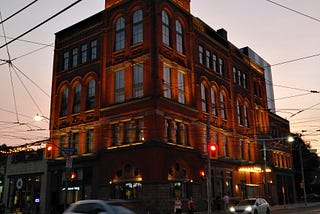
x=311 y=208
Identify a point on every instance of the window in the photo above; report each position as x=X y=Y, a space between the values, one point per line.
x=239 y=77
x=220 y=61
x=74 y=57
x=89 y=141
x=225 y=146
x=137 y=80
x=203 y=98
x=244 y=80
x=65 y=60
x=165 y=28
x=214 y=62
x=208 y=55
x=179 y=37
x=64 y=102
x=213 y=103
x=84 y=53
x=130 y=190
x=223 y=106
x=120 y=34
x=245 y=115
x=94 y=51
x=200 y=54
x=239 y=113
x=178 y=190
x=166 y=81
x=137 y=34
x=119 y=86
x=63 y=143
x=91 y=95
x=181 y=88
x=234 y=71
x=75 y=140
x=77 y=99
x=139 y=126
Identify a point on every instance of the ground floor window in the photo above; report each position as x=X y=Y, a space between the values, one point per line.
x=178 y=189
x=128 y=190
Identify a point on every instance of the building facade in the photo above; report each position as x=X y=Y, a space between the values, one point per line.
x=139 y=91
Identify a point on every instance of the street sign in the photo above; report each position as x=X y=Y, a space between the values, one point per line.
x=67 y=149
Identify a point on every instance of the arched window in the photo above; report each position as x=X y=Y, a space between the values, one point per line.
x=91 y=94
x=77 y=99
x=165 y=28
x=223 y=106
x=120 y=34
x=213 y=103
x=245 y=116
x=179 y=37
x=203 y=98
x=64 y=102
x=137 y=29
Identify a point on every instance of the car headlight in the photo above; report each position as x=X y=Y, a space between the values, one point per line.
x=249 y=209
x=232 y=209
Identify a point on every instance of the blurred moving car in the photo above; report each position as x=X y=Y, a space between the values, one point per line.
x=98 y=207
x=313 y=197
x=251 y=206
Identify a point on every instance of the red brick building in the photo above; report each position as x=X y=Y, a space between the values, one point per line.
x=139 y=90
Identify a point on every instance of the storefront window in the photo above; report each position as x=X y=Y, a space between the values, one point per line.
x=130 y=190
x=178 y=190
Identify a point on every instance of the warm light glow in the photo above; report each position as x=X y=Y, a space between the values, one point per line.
x=290 y=139
x=37 y=117
x=253 y=169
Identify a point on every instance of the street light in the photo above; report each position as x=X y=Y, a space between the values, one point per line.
x=39 y=117
x=291 y=140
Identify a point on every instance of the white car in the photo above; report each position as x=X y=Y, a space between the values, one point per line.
x=251 y=206
x=97 y=207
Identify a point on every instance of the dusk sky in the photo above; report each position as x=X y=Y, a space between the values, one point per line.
x=284 y=32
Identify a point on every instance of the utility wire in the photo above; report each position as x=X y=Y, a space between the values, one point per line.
x=293 y=60
x=295 y=11
x=28 y=41
x=45 y=21
x=302 y=110
x=18 y=11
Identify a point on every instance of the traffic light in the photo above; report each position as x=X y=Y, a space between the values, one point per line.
x=202 y=174
x=73 y=176
x=213 y=150
x=49 y=151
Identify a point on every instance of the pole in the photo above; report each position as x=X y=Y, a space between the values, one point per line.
x=265 y=169
x=302 y=176
x=209 y=167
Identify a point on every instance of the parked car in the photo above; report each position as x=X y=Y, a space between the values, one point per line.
x=313 y=197
x=98 y=207
x=251 y=206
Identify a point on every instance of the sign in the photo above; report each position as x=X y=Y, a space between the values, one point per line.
x=19 y=183
x=67 y=149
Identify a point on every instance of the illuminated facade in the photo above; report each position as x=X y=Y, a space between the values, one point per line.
x=139 y=90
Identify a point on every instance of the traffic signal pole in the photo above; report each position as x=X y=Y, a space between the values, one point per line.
x=209 y=167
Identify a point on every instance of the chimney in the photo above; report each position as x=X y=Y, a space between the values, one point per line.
x=223 y=33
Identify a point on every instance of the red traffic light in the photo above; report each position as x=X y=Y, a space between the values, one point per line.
x=213 y=150
x=202 y=173
x=49 y=148
x=73 y=176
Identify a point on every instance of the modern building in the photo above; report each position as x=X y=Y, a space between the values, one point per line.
x=139 y=92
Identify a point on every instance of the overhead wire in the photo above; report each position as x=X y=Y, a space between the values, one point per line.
x=35 y=27
x=14 y=14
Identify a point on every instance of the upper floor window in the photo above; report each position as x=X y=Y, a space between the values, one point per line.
x=91 y=93
x=63 y=143
x=64 y=102
x=66 y=60
x=166 y=81
x=214 y=62
x=181 y=88
x=239 y=113
x=213 y=103
x=208 y=57
x=179 y=37
x=223 y=106
x=165 y=28
x=137 y=90
x=75 y=141
x=77 y=99
x=200 y=54
x=221 y=66
x=94 y=52
x=74 y=57
x=89 y=141
x=203 y=98
x=245 y=116
x=137 y=29
x=120 y=34
x=225 y=146
x=84 y=53
x=119 y=86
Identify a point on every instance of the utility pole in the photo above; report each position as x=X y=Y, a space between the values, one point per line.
x=209 y=167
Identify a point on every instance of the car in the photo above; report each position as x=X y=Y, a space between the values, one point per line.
x=313 y=197
x=98 y=207
x=251 y=206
